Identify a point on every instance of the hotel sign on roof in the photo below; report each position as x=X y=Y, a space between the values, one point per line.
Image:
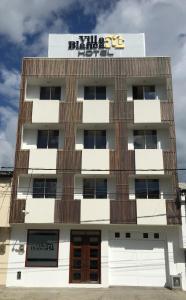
x=96 y=45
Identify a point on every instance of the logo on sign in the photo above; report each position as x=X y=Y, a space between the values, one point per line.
x=91 y=45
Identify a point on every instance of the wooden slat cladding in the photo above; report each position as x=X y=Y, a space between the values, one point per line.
x=173 y=212
x=146 y=67
x=167 y=111
x=123 y=212
x=123 y=160
x=169 y=161
x=22 y=161
x=67 y=211
x=69 y=160
x=26 y=112
x=16 y=212
x=70 y=112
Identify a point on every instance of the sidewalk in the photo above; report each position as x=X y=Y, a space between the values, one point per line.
x=114 y=293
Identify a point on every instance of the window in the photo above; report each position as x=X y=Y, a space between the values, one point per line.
x=42 y=248
x=95 y=93
x=127 y=235
x=144 y=92
x=94 y=188
x=147 y=188
x=94 y=139
x=145 y=139
x=48 y=139
x=117 y=235
x=145 y=235
x=156 y=235
x=44 y=188
x=50 y=93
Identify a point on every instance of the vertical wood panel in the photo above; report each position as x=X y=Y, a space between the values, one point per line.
x=123 y=212
x=173 y=212
x=16 y=212
x=67 y=212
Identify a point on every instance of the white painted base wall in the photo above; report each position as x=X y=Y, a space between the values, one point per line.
x=123 y=262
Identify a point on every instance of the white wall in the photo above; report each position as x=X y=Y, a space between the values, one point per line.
x=151 y=211
x=95 y=159
x=29 y=140
x=149 y=159
x=46 y=111
x=33 y=92
x=95 y=211
x=163 y=139
x=159 y=88
x=96 y=111
x=25 y=187
x=165 y=186
x=39 y=210
x=42 y=159
x=50 y=277
x=147 y=111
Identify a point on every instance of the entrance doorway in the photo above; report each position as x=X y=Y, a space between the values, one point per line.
x=85 y=256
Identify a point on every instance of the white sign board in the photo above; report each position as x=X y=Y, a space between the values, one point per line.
x=106 y=45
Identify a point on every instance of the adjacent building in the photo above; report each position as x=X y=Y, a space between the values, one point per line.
x=94 y=200
x=5 y=196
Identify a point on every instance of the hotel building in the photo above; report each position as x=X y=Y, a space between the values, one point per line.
x=94 y=198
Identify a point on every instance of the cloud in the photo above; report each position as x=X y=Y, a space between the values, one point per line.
x=8 y=125
x=19 y=18
x=163 y=22
x=9 y=85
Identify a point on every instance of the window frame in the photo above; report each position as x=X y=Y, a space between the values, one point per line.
x=145 y=138
x=143 y=92
x=95 y=138
x=147 y=189
x=95 y=191
x=95 y=92
x=27 y=264
x=48 y=136
x=44 y=195
x=52 y=89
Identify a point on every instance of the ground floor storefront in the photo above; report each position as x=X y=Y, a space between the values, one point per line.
x=94 y=256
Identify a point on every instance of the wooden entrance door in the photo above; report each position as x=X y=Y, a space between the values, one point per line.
x=85 y=256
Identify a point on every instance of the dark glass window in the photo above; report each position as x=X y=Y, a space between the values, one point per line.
x=117 y=235
x=144 y=92
x=94 y=188
x=145 y=235
x=95 y=93
x=145 y=139
x=156 y=235
x=42 y=248
x=139 y=139
x=89 y=92
x=101 y=93
x=42 y=139
x=140 y=188
x=147 y=188
x=89 y=139
x=44 y=188
x=50 y=93
x=53 y=138
x=127 y=235
x=88 y=188
x=38 y=188
x=94 y=139
x=47 y=139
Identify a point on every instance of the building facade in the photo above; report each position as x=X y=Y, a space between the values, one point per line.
x=94 y=199
x=5 y=196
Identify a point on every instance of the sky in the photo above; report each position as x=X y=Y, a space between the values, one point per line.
x=24 y=29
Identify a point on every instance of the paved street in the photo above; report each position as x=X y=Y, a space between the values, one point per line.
x=119 y=293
